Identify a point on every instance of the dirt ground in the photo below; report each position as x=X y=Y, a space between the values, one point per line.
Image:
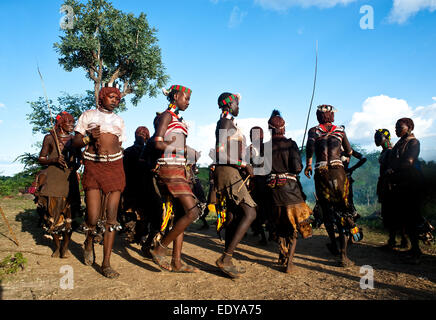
x=317 y=276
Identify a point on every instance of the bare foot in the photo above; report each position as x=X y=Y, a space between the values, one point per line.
x=229 y=268
x=88 y=254
x=65 y=254
x=290 y=268
x=346 y=263
x=182 y=267
x=56 y=254
x=108 y=272
x=159 y=258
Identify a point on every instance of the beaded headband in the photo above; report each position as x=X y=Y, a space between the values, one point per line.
x=385 y=133
x=176 y=87
x=111 y=85
x=326 y=108
x=229 y=99
x=59 y=116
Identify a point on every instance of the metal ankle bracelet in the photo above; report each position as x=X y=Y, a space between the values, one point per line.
x=160 y=244
x=115 y=227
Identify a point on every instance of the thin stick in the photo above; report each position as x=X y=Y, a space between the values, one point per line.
x=51 y=115
x=9 y=227
x=57 y=143
x=313 y=94
x=243 y=183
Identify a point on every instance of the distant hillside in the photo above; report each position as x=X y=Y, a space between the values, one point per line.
x=365 y=183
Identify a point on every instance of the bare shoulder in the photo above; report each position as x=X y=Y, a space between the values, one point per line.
x=165 y=117
x=225 y=124
x=48 y=138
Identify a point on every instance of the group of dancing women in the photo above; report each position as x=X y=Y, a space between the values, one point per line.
x=153 y=183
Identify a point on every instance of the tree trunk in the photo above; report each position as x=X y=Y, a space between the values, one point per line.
x=96 y=91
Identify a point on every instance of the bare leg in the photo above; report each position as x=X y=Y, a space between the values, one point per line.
x=287 y=239
x=290 y=267
x=65 y=253
x=230 y=230
x=57 y=243
x=176 y=262
x=241 y=229
x=332 y=246
x=329 y=226
x=109 y=236
x=93 y=205
x=345 y=261
x=191 y=214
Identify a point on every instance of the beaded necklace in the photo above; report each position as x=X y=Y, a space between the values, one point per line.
x=173 y=108
x=227 y=115
x=104 y=110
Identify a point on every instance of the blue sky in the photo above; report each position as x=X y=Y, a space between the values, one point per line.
x=263 y=49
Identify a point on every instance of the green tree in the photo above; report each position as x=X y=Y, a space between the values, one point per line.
x=112 y=46
x=40 y=117
x=429 y=190
x=366 y=177
x=31 y=163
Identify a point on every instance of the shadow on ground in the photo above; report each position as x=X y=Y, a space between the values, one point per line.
x=314 y=250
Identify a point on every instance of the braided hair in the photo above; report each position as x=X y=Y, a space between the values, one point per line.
x=325 y=114
x=276 y=123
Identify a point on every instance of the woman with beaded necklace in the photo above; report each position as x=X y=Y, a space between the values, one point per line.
x=382 y=138
x=241 y=209
x=406 y=179
x=170 y=141
x=59 y=197
x=102 y=132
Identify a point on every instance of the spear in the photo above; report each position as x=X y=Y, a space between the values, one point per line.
x=313 y=94
x=51 y=114
x=9 y=227
x=243 y=183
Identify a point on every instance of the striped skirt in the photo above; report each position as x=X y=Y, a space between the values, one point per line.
x=173 y=179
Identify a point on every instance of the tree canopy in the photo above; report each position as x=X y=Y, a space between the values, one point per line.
x=40 y=117
x=112 y=46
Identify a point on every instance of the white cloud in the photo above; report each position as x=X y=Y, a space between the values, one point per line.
x=404 y=9
x=283 y=5
x=377 y=112
x=383 y=112
x=1 y=121
x=236 y=17
x=10 y=169
x=2 y=105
